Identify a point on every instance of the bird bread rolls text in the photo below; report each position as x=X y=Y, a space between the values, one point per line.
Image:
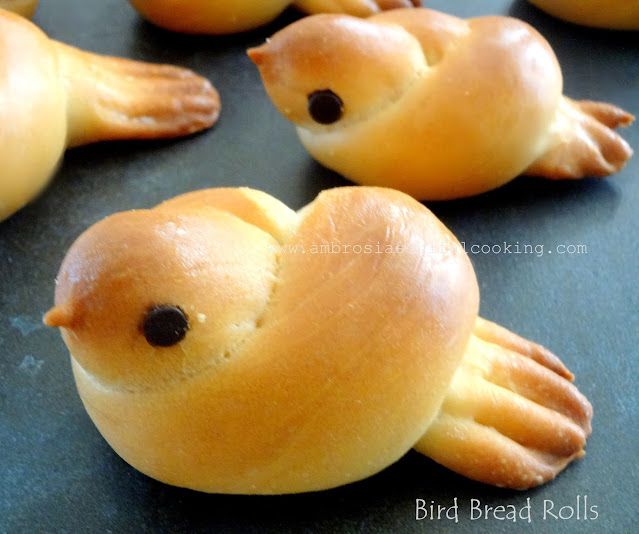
x=26 y=8
x=433 y=105
x=612 y=14
x=223 y=342
x=57 y=96
x=231 y=16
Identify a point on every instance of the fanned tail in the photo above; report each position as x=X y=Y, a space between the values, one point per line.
x=584 y=143
x=112 y=98
x=512 y=417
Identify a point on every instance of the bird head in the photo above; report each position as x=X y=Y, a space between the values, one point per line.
x=148 y=297
x=335 y=69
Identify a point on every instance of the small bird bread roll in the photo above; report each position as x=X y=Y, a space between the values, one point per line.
x=611 y=14
x=58 y=96
x=26 y=8
x=433 y=105
x=231 y=16
x=225 y=343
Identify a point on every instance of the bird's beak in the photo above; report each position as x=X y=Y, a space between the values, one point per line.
x=59 y=317
x=259 y=54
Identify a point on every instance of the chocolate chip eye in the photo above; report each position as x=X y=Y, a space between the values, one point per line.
x=165 y=325
x=325 y=106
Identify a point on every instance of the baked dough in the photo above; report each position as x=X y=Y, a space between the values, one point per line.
x=56 y=96
x=225 y=343
x=26 y=8
x=433 y=105
x=232 y=16
x=611 y=14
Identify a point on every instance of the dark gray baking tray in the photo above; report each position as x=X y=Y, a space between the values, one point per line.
x=57 y=473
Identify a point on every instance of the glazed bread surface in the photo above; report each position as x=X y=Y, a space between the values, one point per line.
x=611 y=14
x=26 y=8
x=205 y=16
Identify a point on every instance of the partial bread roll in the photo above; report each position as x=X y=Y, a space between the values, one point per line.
x=26 y=8
x=612 y=14
x=232 y=16
x=433 y=105
x=56 y=96
x=225 y=343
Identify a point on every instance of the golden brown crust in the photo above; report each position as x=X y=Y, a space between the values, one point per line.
x=612 y=14
x=203 y=16
x=583 y=142
x=459 y=106
x=485 y=455
x=512 y=417
x=310 y=369
x=26 y=8
x=112 y=98
x=498 y=335
x=320 y=53
x=254 y=207
x=231 y=16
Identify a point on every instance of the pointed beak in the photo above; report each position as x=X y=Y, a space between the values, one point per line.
x=259 y=54
x=59 y=317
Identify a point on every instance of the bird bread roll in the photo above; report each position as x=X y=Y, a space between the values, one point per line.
x=220 y=17
x=224 y=343
x=611 y=14
x=58 y=96
x=436 y=106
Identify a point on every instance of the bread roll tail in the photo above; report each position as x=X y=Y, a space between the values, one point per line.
x=111 y=98
x=357 y=8
x=584 y=143
x=512 y=417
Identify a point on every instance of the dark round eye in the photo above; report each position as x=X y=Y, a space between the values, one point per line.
x=165 y=325
x=325 y=106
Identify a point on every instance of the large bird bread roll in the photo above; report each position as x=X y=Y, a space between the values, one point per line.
x=225 y=343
